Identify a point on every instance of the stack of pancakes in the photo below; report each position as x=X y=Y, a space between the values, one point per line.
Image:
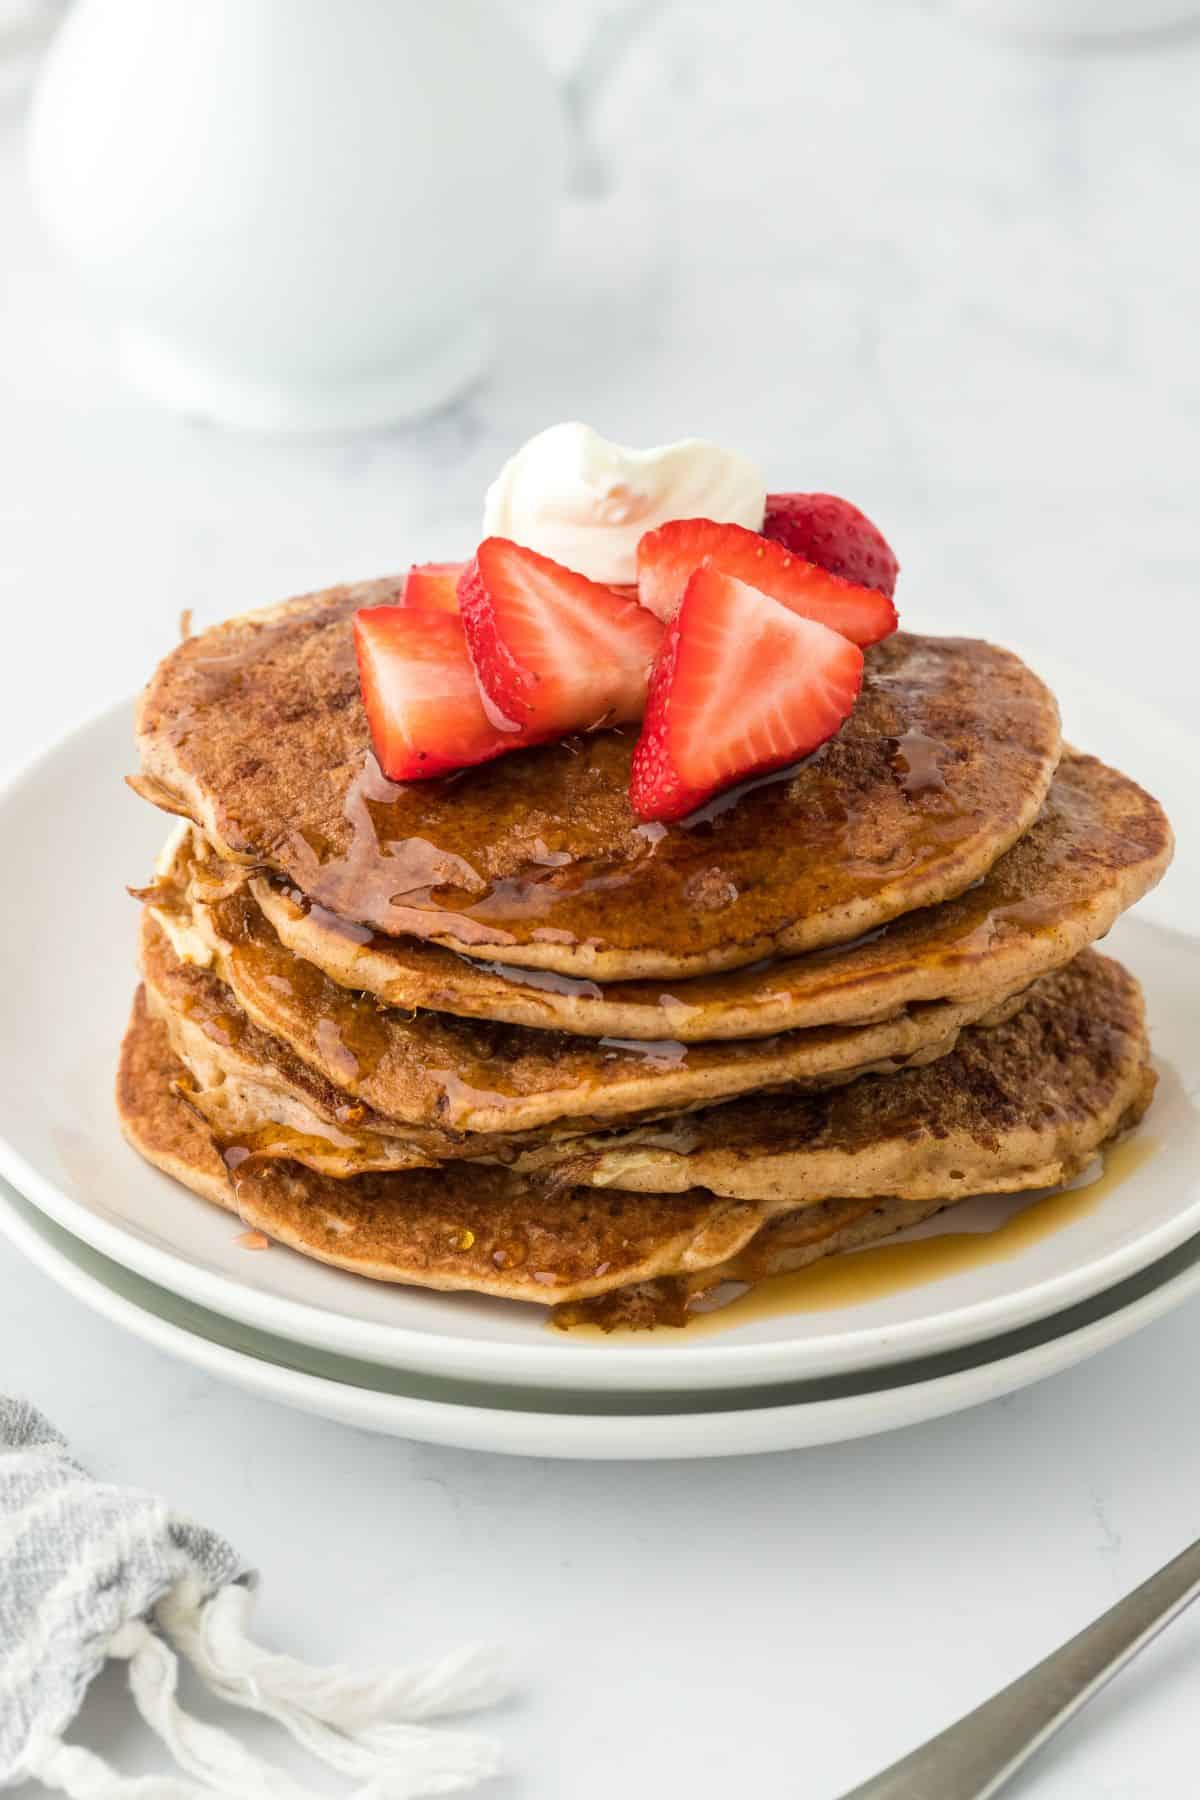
x=489 y=1032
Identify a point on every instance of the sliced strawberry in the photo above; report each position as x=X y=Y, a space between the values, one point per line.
x=432 y=587
x=835 y=535
x=667 y=557
x=553 y=650
x=419 y=690
x=741 y=686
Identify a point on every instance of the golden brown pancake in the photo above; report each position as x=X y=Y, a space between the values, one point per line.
x=260 y=1099
x=1099 y=843
x=1024 y=1104
x=254 y=1093
x=251 y=1110
x=777 y=1144
x=471 y=1226
x=255 y=730
x=431 y=1077
x=474 y=1227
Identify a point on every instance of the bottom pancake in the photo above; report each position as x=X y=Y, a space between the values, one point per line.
x=463 y=1227
x=489 y=1230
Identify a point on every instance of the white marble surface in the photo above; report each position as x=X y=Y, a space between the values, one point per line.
x=957 y=280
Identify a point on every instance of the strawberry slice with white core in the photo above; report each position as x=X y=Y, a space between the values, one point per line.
x=422 y=701
x=741 y=686
x=432 y=587
x=552 y=650
x=668 y=556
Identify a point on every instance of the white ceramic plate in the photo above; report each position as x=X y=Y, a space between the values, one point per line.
x=550 y=1422
x=74 y=836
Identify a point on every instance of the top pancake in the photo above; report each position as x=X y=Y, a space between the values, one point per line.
x=256 y=731
x=1099 y=843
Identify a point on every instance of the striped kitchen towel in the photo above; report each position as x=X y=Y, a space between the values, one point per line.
x=90 y=1571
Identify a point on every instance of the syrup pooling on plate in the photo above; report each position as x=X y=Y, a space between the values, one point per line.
x=857 y=1277
x=891 y=1268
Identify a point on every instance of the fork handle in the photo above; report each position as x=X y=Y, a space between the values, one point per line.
x=976 y=1757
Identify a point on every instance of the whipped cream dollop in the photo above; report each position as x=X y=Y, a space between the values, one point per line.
x=572 y=495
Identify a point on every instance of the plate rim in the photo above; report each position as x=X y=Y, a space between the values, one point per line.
x=621 y=1367
x=569 y=1435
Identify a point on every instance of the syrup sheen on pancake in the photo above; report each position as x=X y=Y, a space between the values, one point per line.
x=259 y=1097
x=1098 y=845
x=256 y=730
x=454 y=1084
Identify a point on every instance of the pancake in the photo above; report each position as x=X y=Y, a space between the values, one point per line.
x=472 y=1227
x=477 y=1228
x=260 y=1100
x=257 y=1096
x=1025 y=1104
x=1099 y=843
x=251 y=1112
x=440 y=1074
x=256 y=731
x=1080 y=1034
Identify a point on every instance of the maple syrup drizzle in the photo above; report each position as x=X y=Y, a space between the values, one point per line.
x=454 y=1070
x=447 y=857
x=666 y=1052
x=548 y=981
x=920 y=763
x=1070 y=852
x=540 y=847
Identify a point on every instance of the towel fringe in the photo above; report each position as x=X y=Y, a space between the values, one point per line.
x=81 y=1775
x=211 y=1755
x=368 y=1727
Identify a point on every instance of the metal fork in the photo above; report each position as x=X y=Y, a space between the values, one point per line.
x=976 y=1757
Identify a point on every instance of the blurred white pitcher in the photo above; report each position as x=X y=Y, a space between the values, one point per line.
x=299 y=211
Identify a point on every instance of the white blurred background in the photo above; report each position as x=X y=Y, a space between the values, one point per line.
x=888 y=247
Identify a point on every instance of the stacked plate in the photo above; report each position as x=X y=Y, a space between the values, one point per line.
x=902 y=1332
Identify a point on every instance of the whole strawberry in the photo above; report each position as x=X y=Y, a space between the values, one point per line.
x=833 y=534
